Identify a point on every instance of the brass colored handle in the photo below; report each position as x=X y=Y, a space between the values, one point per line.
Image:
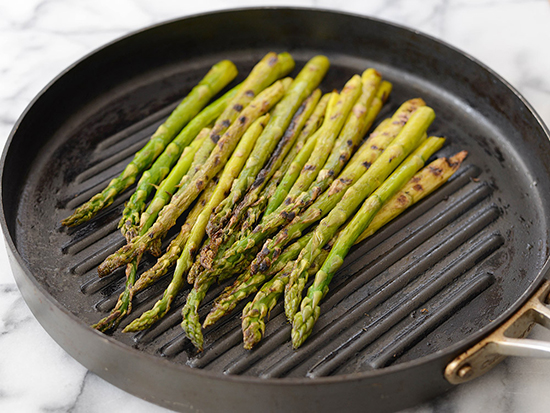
x=507 y=340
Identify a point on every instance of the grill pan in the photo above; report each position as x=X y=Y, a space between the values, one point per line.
x=407 y=302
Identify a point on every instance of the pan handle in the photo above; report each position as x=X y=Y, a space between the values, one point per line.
x=507 y=340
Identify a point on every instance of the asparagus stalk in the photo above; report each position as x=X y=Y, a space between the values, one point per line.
x=261 y=76
x=303 y=321
x=359 y=120
x=303 y=85
x=257 y=310
x=162 y=166
x=123 y=306
x=219 y=229
x=360 y=162
x=250 y=206
x=247 y=283
x=337 y=113
x=311 y=126
x=348 y=140
x=230 y=172
x=169 y=185
x=206 y=255
x=199 y=159
x=187 y=194
x=420 y=186
x=243 y=249
x=293 y=172
x=197 y=151
x=212 y=269
x=366 y=155
x=215 y=80
x=327 y=135
x=407 y=140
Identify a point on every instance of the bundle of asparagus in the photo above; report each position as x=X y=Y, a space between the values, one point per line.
x=270 y=162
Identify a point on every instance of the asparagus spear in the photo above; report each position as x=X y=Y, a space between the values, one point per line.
x=175 y=248
x=215 y=80
x=252 y=205
x=327 y=135
x=303 y=321
x=255 y=312
x=187 y=194
x=206 y=256
x=164 y=192
x=255 y=211
x=230 y=172
x=303 y=85
x=348 y=140
x=358 y=121
x=407 y=140
x=311 y=126
x=312 y=123
x=199 y=159
x=217 y=240
x=341 y=107
x=169 y=184
x=123 y=306
x=419 y=186
x=262 y=75
x=162 y=166
x=367 y=154
x=247 y=283
x=293 y=172
x=337 y=113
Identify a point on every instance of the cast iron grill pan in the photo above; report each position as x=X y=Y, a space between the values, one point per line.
x=439 y=273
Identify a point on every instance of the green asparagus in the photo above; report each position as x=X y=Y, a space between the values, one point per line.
x=269 y=175
x=256 y=311
x=247 y=284
x=326 y=135
x=407 y=140
x=361 y=162
x=215 y=80
x=311 y=126
x=303 y=321
x=347 y=141
x=421 y=185
x=169 y=185
x=303 y=85
x=124 y=304
x=164 y=192
x=162 y=166
x=233 y=167
x=187 y=194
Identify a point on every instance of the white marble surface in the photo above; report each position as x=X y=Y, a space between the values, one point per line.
x=39 y=38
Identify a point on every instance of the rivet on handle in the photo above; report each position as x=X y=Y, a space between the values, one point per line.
x=507 y=340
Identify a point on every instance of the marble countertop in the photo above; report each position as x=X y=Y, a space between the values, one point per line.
x=39 y=38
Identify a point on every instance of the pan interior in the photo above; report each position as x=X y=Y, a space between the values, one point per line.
x=443 y=270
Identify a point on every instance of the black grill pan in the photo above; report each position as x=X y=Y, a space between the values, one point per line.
x=407 y=301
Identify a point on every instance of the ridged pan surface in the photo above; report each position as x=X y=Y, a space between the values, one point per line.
x=421 y=289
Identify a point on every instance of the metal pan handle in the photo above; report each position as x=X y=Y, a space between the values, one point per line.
x=507 y=340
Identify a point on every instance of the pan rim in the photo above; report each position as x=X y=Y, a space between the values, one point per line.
x=448 y=353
